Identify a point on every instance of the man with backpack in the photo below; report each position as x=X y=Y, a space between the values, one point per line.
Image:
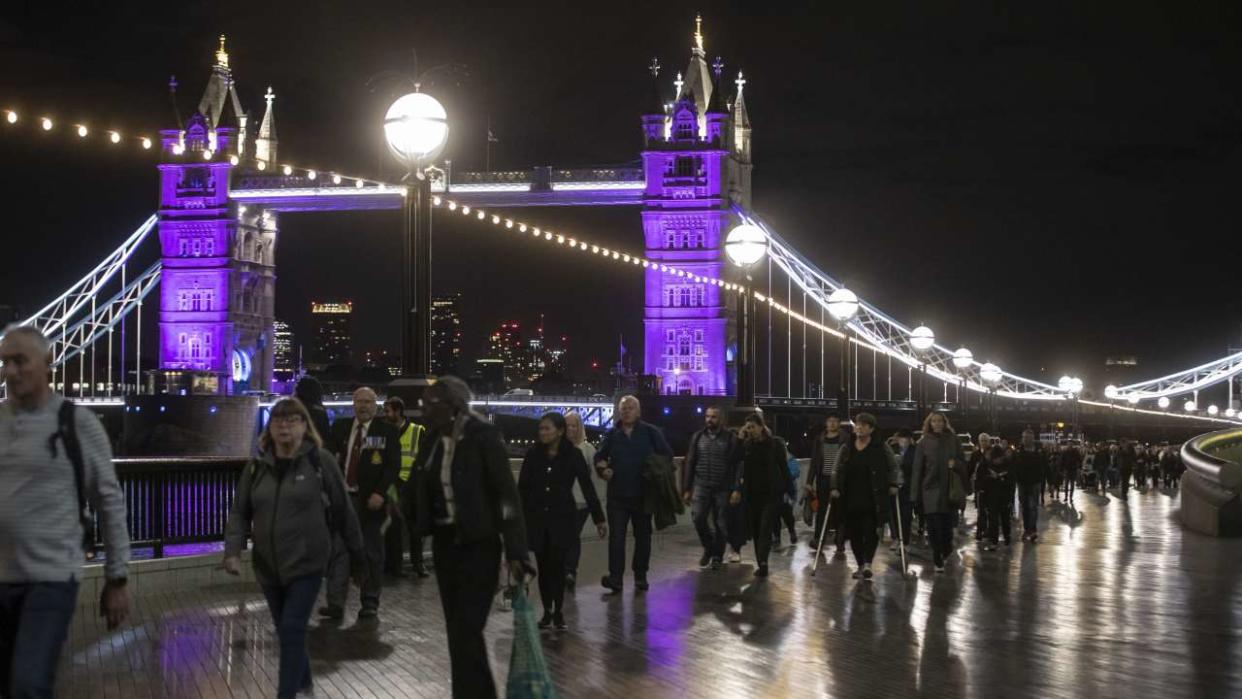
x=56 y=459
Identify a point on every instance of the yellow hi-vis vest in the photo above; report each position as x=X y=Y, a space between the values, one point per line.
x=410 y=438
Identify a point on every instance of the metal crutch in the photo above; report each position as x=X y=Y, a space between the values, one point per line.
x=901 y=538
x=819 y=549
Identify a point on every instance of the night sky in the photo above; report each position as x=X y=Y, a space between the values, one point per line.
x=1047 y=184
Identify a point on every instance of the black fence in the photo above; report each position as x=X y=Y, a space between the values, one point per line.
x=174 y=501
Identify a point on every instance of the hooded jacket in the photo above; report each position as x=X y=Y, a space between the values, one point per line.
x=287 y=514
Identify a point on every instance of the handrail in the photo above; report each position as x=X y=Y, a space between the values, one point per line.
x=1195 y=454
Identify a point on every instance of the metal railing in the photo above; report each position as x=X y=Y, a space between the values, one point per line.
x=173 y=500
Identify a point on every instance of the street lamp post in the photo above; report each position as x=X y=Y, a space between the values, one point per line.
x=991 y=375
x=843 y=305
x=962 y=359
x=416 y=128
x=745 y=245
x=921 y=339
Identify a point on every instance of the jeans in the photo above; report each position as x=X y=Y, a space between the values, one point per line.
x=467 y=575
x=708 y=508
x=1071 y=480
x=1000 y=504
x=940 y=534
x=574 y=554
x=861 y=531
x=983 y=513
x=622 y=512
x=1028 y=498
x=34 y=622
x=373 y=541
x=761 y=513
x=291 y=605
x=550 y=557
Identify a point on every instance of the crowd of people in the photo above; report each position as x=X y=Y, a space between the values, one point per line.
x=326 y=504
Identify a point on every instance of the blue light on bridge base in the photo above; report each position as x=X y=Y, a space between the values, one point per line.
x=668 y=410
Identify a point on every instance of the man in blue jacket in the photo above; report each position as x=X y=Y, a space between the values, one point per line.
x=619 y=461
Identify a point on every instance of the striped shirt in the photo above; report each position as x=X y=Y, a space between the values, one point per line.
x=40 y=532
x=832 y=452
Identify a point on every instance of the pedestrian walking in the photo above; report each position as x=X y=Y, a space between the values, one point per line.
x=467 y=499
x=867 y=476
x=401 y=514
x=291 y=499
x=1028 y=465
x=1125 y=462
x=762 y=482
x=620 y=461
x=370 y=453
x=54 y=460
x=937 y=462
x=545 y=483
x=575 y=431
x=708 y=476
x=825 y=451
x=904 y=450
x=310 y=392
x=1069 y=464
x=980 y=475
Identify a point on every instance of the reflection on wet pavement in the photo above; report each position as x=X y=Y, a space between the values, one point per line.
x=1115 y=600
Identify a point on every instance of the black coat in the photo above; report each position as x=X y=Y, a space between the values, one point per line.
x=1028 y=466
x=764 y=473
x=882 y=469
x=380 y=459
x=690 y=467
x=546 y=486
x=485 y=499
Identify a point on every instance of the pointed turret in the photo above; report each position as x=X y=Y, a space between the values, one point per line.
x=655 y=114
x=214 y=97
x=697 y=86
x=265 y=142
x=717 y=114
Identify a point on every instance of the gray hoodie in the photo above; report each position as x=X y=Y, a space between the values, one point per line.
x=286 y=511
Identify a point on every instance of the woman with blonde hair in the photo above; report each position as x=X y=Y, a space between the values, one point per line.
x=291 y=498
x=937 y=464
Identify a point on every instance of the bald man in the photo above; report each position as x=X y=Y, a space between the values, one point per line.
x=369 y=452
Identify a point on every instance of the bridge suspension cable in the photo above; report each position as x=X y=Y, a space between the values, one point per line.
x=1194 y=379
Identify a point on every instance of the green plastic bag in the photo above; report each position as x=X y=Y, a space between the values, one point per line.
x=528 y=673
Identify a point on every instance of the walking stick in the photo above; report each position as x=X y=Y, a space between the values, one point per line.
x=901 y=538
x=819 y=549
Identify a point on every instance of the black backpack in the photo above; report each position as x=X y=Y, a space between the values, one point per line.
x=67 y=433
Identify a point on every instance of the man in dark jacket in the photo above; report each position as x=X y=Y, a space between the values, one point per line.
x=369 y=451
x=467 y=499
x=707 y=480
x=1028 y=467
x=866 y=477
x=310 y=392
x=1126 y=458
x=619 y=461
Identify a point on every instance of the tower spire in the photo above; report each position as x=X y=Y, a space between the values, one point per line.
x=222 y=56
x=698 y=32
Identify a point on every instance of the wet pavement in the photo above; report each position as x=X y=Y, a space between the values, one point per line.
x=1116 y=600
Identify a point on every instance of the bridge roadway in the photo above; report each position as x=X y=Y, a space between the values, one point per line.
x=1116 y=600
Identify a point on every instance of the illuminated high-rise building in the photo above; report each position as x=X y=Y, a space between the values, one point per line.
x=446 y=334
x=332 y=331
x=505 y=343
x=284 y=350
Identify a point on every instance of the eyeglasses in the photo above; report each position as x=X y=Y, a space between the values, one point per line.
x=287 y=419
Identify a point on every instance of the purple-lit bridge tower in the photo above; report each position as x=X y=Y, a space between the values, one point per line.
x=223 y=188
x=696 y=165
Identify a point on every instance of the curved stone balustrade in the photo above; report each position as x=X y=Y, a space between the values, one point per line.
x=1211 y=503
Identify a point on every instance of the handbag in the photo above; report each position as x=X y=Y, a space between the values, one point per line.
x=528 y=671
x=957 y=493
x=810 y=505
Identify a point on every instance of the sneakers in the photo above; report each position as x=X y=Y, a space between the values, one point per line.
x=640 y=583
x=761 y=571
x=558 y=620
x=368 y=613
x=610 y=584
x=705 y=560
x=857 y=574
x=716 y=564
x=940 y=568
x=332 y=612
x=866 y=572
x=735 y=557
x=546 y=620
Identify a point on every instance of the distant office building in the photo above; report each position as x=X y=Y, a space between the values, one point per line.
x=332 y=331
x=383 y=359
x=489 y=376
x=505 y=344
x=284 y=351
x=446 y=334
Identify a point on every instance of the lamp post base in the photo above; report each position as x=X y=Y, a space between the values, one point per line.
x=410 y=389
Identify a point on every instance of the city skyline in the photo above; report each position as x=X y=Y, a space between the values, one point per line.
x=960 y=196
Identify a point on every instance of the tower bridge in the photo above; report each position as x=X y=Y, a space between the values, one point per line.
x=224 y=184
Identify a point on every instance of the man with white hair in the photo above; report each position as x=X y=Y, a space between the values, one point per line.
x=54 y=458
x=620 y=462
x=369 y=451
